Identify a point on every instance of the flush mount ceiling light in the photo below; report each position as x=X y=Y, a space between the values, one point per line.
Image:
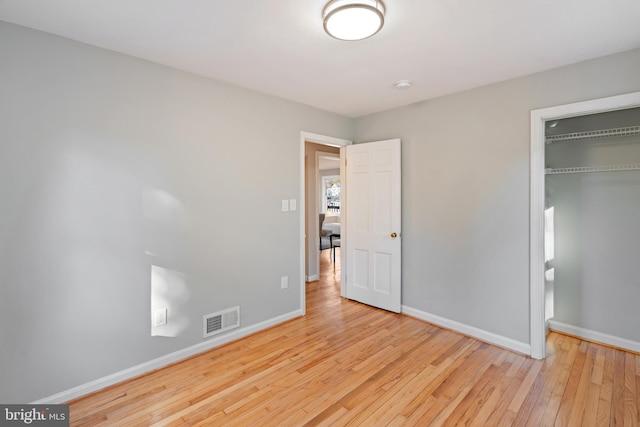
x=353 y=19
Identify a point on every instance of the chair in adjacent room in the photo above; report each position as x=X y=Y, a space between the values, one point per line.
x=323 y=233
x=335 y=243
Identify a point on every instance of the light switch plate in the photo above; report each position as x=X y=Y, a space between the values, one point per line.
x=160 y=317
x=292 y=205
x=285 y=205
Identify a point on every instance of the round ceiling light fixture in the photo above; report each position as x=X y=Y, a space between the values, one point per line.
x=353 y=19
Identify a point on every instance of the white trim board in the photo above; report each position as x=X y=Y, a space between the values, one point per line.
x=472 y=331
x=599 y=337
x=163 y=361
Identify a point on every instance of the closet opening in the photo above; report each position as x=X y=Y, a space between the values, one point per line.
x=592 y=226
x=585 y=226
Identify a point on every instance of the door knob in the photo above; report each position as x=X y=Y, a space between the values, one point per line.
x=394 y=235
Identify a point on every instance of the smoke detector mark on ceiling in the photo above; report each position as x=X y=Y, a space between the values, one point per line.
x=403 y=84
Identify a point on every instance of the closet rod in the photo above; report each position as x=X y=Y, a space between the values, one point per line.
x=583 y=169
x=594 y=134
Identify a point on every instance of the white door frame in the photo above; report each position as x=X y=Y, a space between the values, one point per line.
x=324 y=140
x=537 y=201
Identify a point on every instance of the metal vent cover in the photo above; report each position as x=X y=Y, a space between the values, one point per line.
x=221 y=321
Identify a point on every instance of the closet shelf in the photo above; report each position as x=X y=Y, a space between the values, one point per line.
x=583 y=169
x=594 y=134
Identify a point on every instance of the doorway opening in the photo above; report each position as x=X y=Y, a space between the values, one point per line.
x=329 y=198
x=330 y=190
x=313 y=148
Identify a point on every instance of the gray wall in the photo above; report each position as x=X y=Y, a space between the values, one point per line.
x=465 y=160
x=597 y=232
x=111 y=166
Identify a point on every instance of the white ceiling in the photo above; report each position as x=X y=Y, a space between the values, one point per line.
x=328 y=162
x=278 y=46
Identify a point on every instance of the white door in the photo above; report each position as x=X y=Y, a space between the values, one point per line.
x=372 y=240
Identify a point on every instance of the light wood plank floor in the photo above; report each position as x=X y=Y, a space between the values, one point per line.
x=349 y=364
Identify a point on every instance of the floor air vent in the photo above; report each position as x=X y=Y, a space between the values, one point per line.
x=221 y=321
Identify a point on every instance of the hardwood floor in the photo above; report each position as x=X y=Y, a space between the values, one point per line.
x=345 y=363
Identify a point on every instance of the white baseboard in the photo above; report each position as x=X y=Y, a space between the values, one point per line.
x=471 y=331
x=313 y=278
x=590 y=335
x=163 y=361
